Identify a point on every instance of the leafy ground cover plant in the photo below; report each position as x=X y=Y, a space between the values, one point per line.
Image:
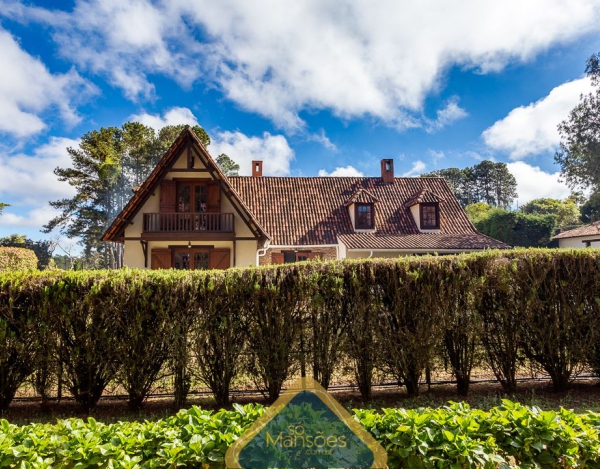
x=454 y=436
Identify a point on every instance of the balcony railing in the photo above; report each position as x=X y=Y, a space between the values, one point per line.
x=182 y=222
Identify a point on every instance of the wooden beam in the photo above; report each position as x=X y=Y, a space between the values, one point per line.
x=144 y=244
x=188 y=236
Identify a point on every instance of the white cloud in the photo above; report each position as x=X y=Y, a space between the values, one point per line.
x=534 y=183
x=350 y=57
x=436 y=156
x=450 y=113
x=532 y=129
x=172 y=116
x=417 y=168
x=28 y=89
x=30 y=179
x=348 y=171
x=273 y=150
x=323 y=139
x=35 y=218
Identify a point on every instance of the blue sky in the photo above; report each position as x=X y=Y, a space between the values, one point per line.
x=313 y=87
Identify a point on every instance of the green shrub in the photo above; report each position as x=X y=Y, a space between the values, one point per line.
x=400 y=316
x=511 y=435
x=12 y=258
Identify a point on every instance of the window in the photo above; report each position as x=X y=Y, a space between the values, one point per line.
x=191 y=259
x=364 y=217
x=191 y=197
x=430 y=216
x=289 y=257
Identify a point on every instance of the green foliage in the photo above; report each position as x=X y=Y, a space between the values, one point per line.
x=42 y=249
x=579 y=154
x=565 y=211
x=517 y=228
x=227 y=165
x=590 y=210
x=400 y=316
x=454 y=436
x=15 y=258
x=478 y=211
x=487 y=182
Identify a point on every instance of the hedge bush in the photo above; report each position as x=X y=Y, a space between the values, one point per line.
x=456 y=436
x=13 y=258
x=401 y=316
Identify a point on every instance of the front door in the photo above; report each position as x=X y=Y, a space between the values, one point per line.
x=191 y=259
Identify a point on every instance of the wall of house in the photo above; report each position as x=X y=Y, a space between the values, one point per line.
x=578 y=243
x=245 y=253
x=134 y=254
x=328 y=252
x=351 y=211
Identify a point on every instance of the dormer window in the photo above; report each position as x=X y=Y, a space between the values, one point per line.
x=430 y=216
x=365 y=217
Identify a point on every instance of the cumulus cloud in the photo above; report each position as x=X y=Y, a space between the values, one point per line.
x=350 y=57
x=417 y=168
x=35 y=218
x=273 y=150
x=534 y=183
x=30 y=177
x=450 y=113
x=28 y=89
x=348 y=171
x=172 y=116
x=532 y=129
x=323 y=139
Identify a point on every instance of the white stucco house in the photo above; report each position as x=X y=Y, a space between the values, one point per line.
x=582 y=237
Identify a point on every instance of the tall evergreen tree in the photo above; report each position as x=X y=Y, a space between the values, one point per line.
x=579 y=154
x=487 y=182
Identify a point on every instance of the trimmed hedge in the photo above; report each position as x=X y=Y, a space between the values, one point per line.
x=402 y=316
x=511 y=435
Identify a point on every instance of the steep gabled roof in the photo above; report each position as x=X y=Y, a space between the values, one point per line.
x=593 y=229
x=362 y=196
x=187 y=139
x=422 y=197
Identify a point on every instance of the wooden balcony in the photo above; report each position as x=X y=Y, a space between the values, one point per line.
x=188 y=223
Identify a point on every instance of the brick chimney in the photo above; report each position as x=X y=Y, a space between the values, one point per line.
x=257 y=169
x=387 y=171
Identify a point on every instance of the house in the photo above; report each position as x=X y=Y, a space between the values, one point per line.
x=189 y=215
x=582 y=237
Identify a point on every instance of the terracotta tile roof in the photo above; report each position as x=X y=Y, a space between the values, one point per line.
x=593 y=229
x=426 y=241
x=312 y=211
x=423 y=196
x=361 y=196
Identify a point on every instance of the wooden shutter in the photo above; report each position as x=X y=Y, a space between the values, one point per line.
x=220 y=259
x=213 y=198
x=277 y=258
x=168 y=196
x=313 y=255
x=161 y=258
